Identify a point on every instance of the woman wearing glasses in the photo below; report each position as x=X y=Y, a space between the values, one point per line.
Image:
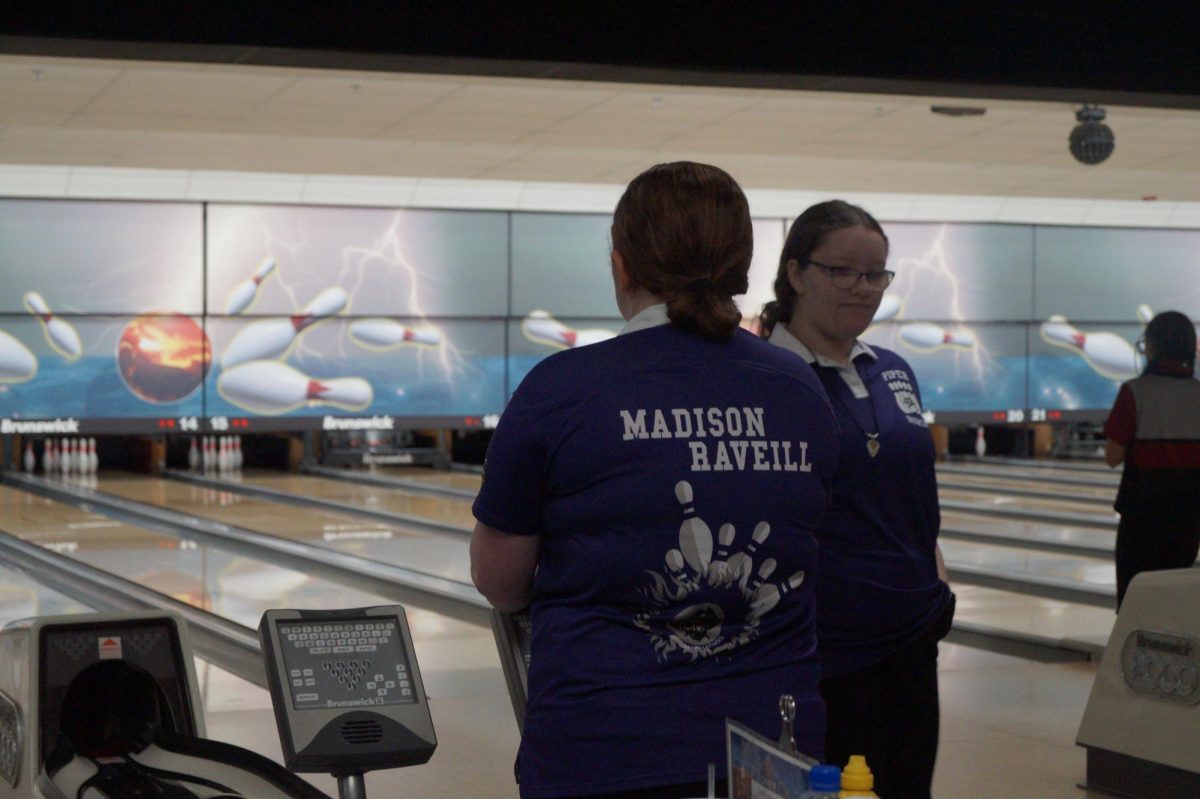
x=1154 y=429
x=882 y=599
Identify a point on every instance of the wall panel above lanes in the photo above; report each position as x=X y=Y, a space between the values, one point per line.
x=106 y=257
x=386 y=261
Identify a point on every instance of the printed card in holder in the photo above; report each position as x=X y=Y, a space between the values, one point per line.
x=759 y=769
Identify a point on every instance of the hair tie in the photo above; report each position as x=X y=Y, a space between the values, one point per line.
x=701 y=284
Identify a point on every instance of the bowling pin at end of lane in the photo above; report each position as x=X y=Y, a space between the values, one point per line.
x=929 y=336
x=17 y=363
x=889 y=308
x=541 y=327
x=980 y=443
x=1108 y=354
x=270 y=388
x=60 y=333
x=272 y=338
x=244 y=293
x=1144 y=314
x=385 y=334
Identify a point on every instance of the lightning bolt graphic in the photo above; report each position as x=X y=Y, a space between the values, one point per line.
x=933 y=268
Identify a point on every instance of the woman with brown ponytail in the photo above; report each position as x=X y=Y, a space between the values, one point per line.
x=882 y=600
x=653 y=499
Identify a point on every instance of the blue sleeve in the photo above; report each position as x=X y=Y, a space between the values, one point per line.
x=510 y=498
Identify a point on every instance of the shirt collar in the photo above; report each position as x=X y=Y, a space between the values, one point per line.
x=650 y=316
x=783 y=337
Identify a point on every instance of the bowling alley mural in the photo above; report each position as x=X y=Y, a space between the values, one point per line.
x=360 y=311
x=130 y=314
x=101 y=309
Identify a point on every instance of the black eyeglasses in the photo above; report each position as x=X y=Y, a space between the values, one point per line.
x=843 y=277
x=1140 y=346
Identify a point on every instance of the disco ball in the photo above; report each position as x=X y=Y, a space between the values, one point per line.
x=1091 y=140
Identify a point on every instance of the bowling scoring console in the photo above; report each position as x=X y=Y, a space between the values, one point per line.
x=346 y=689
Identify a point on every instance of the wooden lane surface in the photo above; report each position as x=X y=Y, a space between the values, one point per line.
x=467 y=481
x=987 y=483
x=987 y=499
x=442 y=509
x=440 y=554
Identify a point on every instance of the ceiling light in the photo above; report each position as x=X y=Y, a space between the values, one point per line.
x=1091 y=140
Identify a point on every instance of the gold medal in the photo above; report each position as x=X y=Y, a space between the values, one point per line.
x=872 y=444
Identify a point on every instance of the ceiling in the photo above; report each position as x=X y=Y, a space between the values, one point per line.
x=195 y=116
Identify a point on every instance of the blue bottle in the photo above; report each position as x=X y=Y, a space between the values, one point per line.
x=824 y=782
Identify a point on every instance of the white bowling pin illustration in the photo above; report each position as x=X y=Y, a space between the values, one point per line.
x=928 y=336
x=674 y=559
x=889 y=306
x=271 y=338
x=980 y=443
x=28 y=460
x=764 y=571
x=384 y=334
x=1107 y=353
x=50 y=457
x=270 y=387
x=718 y=569
x=60 y=333
x=741 y=564
x=17 y=363
x=768 y=596
x=244 y=293
x=695 y=539
x=543 y=328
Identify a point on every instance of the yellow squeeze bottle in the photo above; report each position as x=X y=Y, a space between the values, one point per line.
x=857 y=779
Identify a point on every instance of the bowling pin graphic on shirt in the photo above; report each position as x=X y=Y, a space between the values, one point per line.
x=385 y=334
x=930 y=336
x=695 y=539
x=17 y=363
x=1107 y=353
x=244 y=293
x=60 y=333
x=541 y=327
x=270 y=387
x=271 y=338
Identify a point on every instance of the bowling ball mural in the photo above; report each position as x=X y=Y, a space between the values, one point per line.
x=164 y=357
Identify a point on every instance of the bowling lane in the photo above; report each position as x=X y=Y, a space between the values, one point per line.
x=983 y=482
x=1037 y=469
x=459 y=663
x=439 y=554
x=441 y=509
x=22 y=597
x=1049 y=619
x=986 y=499
x=1020 y=532
x=467 y=481
x=1027 y=564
